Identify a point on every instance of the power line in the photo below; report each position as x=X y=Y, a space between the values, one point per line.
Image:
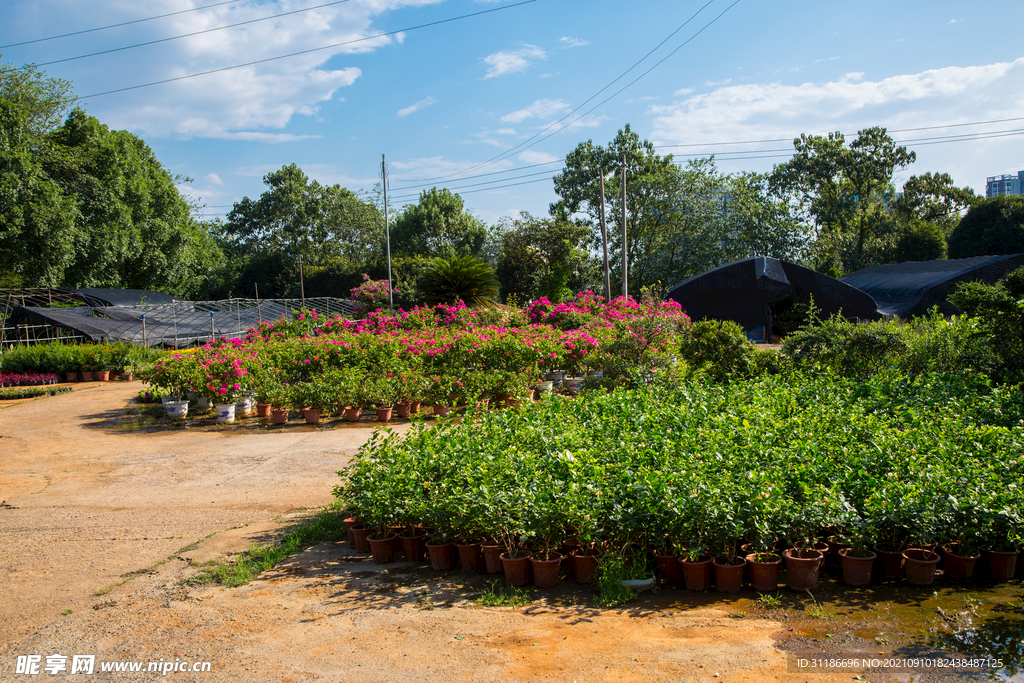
x=616 y=80
x=752 y=154
x=741 y=142
x=123 y=23
x=315 y=49
x=189 y=35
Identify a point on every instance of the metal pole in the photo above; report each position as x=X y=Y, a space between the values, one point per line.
x=213 y=333
x=302 y=285
x=238 y=315
x=144 y=341
x=3 y=321
x=174 y=312
x=625 y=246
x=259 y=311
x=387 y=232
x=604 y=245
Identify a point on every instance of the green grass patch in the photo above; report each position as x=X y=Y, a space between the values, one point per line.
x=500 y=594
x=327 y=525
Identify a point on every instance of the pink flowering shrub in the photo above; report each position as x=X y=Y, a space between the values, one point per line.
x=369 y=296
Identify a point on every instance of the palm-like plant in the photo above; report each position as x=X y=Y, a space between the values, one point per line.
x=465 y=278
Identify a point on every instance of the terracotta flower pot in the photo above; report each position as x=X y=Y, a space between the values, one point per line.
x=413 y=547
x=349 y=523
x=697 y=574
x=834 y=546
x=1001 y=566
x=517 y=569
x=72 y=376
x=262 y=410
x=729 y=577
x=668 y=568
x=279 y=416
x=545 y=572
x=441 y=411
x=312 y=415
x=584 y=568
x=103 y=375
x=892 y=563
x=359 y=535
x=764 y=574
x=958 y=567
x=384 y=414
x=352 y=413
x=856 y=569
x=86 y=375
x=414 y=407
x=402 y=410
x=492 y=557
x=802 y=567
x=919 y=565
x=469 y=556
x=443 y=556
x=383 y=549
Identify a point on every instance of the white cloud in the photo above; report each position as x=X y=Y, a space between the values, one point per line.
x=213 y=178
x=533 y=157
x=715 y=84
x=572 y=42
x=512 y=61
x=425 y=102
x=257 y=136
x=231 y=104
x=684 y=91
x=764 y=111
x=541 y=109
x=951 y=21
x=506 y=131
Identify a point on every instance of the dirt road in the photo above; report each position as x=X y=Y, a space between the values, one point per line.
x=89 y=509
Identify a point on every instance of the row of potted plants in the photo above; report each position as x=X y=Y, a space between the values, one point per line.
x=698 y=470
x=73 y=360
x=375 y=362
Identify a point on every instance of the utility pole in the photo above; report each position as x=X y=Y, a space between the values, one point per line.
x=604 y=245
x=625 y=246
x=387 y=231
x=302 y=284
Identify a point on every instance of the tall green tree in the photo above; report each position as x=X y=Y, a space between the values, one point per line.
x=38 y=230
x=991 y=227
x=842 y=191
x=935 y=199
x=438 y=226
x=84 y=206
x=330 y=227
x=544 y=257
x=681 y=220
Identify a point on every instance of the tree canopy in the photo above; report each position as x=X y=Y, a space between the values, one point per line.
x=842 y=190
x=84 y=206
x=438 y=226
x=991 y=227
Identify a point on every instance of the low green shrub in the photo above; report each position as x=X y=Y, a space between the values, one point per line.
x=718 y=347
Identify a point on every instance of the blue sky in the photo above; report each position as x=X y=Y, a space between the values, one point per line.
x=444 y=101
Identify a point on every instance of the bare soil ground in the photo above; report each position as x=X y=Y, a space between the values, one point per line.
x=100 y=529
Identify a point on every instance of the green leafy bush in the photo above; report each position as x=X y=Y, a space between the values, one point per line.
x=701 y=464
x=718 y=347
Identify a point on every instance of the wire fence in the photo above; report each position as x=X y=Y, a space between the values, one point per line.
x=177 y=324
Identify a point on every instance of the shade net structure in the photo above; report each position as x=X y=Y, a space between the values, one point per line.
x=915 y=287
x=174 y=324
x=743 y=291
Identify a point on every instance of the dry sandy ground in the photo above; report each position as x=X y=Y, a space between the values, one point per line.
x=86 y=506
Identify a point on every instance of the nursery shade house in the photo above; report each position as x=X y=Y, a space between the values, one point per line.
x=743 y=291
x=914 y=287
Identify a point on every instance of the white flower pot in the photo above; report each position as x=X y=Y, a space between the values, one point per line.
x=203 y=403
x=168 y=399
x=176 y=410
x=225 y=413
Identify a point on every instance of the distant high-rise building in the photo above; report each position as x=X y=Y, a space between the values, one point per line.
x=1004 y=184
